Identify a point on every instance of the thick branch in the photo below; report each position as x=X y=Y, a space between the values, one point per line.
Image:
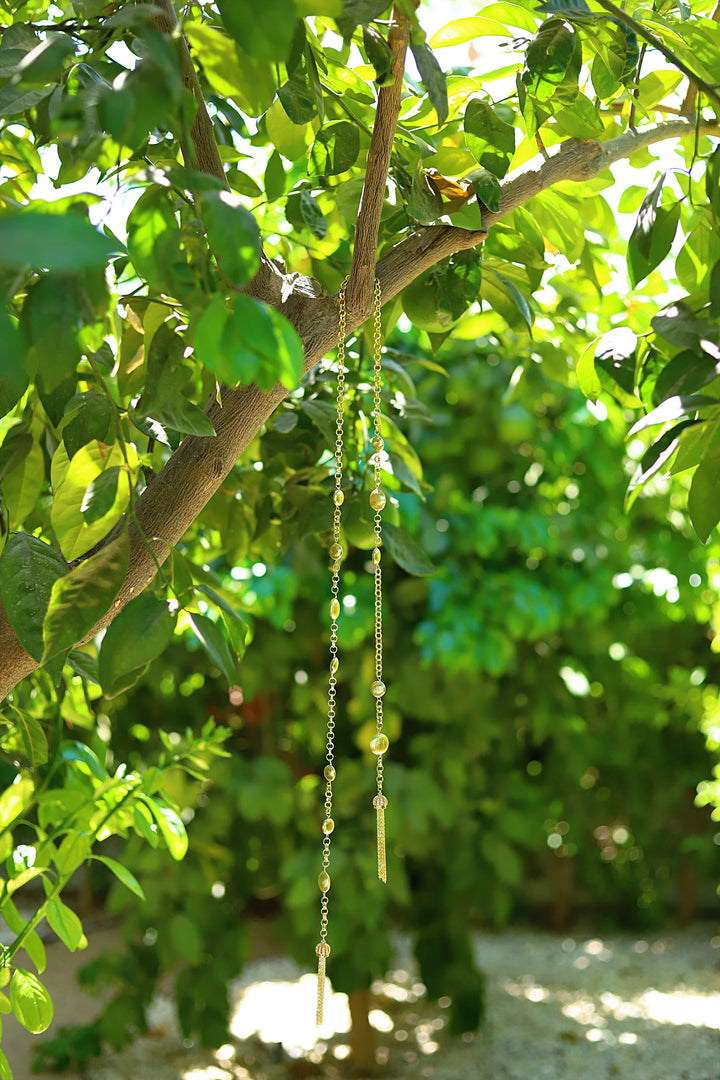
x=176 y=496
x=362 y=271
x=205 y=147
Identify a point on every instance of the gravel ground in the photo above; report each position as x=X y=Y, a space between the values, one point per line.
x=578 y=1007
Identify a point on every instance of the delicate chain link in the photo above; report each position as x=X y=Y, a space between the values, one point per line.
x=379 y=743
x=323 y=949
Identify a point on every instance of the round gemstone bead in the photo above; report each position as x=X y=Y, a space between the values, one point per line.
x=328 y=825
x=329 y=772
x=377 y=499
x=323 y=949
x=379 y=744
x=377 y=689
x=377 y=444
x=334 y=609
x=339 y=498
x=324 y=881
x=380 y=802
x=336 y=551
x=376 y=556
x=334 y=665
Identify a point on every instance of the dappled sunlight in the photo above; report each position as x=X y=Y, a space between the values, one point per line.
x=284 y=1012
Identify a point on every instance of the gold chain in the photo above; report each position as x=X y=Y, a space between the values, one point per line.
x=379 y=743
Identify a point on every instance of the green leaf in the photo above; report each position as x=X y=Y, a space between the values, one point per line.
x=510 y=289
x=16 y=99
x=170 y=826
x=32 y=944
x=487 y=188
x=80 y=598
x=233 y=235
x=297 y=96
x=265 y=30
x=90 y=424
x=655 y=457
x=406 y=552
x=16 y=798
x=653 y=235
x=71 y=480
x=380 y=56
x=100 y=495
x=184 y=416
x=53 y=242
x=230 y=71
x=274 y=178
x=303 y=211
x=122 y=874
x=356 y=12
x=13 y=376
x=30 y=1002
x=32 y=736
x=153 y=238
x=23 y=483
x=5 y=1070
x=214 y=642
x=66 y=924
x=28 y=570
x=44 y=63
x=72 y=853
x=249 y=342
x=142 y=630
x=587 y=377
x=489 y=139
x=433 y=78
x=458 y=31
x=77 y=751
x=549 y=58
x=704 y=496
x=687 y=372
x=335 y=149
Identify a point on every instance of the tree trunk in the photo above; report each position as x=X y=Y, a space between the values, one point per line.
x=362 y=1035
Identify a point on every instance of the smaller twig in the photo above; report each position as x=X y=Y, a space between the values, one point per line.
x=362 y=270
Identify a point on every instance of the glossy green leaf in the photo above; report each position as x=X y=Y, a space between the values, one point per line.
x=32 y=739
x=15 y=798
x=52 y=242
x=264 y=31
x=142 y=630
x=380 y=55
x=28 y=570
x=215 y=643
x=489 y=139
x=549 y=57
x=249 y=342
x=100 y=495
x=66 y=924
x=233 y=235
x=704 y=496
x=13 y=376
x=335 y=149
x=230 y=71
x=170 y=826
x=406 y=552
x=355 y=12
x=91 y=423
x=75 y=533
x=30 y=1001
x=487 y=188
x=433 y=78
x=80 y=598
x=123 y=875
x=77 y=751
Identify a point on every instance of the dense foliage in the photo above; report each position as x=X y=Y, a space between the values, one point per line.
x=148 y=179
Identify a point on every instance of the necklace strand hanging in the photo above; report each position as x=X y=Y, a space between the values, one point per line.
x=379 y=743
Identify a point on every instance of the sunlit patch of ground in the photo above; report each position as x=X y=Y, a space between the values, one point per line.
x=573 y=1009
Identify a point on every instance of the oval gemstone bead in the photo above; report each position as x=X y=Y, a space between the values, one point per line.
x=335 y=551
x=324 y=881
x=339 y=498
x=376 y=556
x=377 y=499
x=334 y=609
x=379 y=744
x=377 y=444
x=329 y=772
x=328 y=825
x=377 y=689
x=334 y=665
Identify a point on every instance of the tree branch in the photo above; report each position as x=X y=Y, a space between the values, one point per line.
x=362 y=271
x=207 y=155
x=193 y=474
